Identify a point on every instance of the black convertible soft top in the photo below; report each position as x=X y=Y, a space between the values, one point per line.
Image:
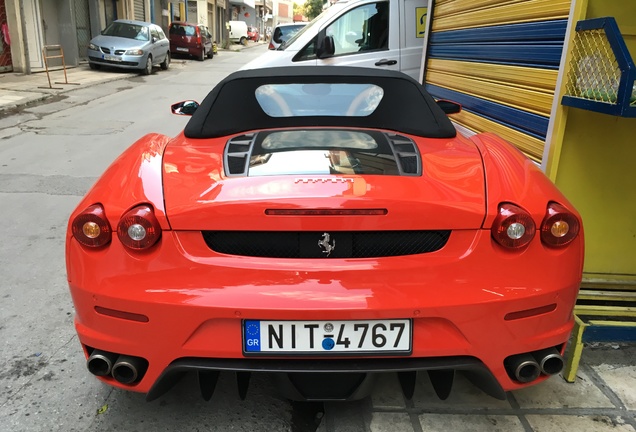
x=231 y=107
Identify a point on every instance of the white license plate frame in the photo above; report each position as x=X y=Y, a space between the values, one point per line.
x=327 y=337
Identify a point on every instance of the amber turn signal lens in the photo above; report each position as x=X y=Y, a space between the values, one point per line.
x=559 y=227
x=91 y=228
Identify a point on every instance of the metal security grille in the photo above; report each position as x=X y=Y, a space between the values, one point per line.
x=594 y=73
x=82 y=27
x=345 y=244
x=140 y=10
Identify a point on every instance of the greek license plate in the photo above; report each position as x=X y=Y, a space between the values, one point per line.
x=182 y=49
x=327 y=337
x=112 y=58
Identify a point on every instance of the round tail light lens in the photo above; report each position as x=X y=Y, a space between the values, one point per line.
x=560 y=226
x=91 y=228
x=139 y=229
x=513 y=227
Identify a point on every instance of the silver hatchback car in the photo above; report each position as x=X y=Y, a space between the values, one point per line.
x=130 y=44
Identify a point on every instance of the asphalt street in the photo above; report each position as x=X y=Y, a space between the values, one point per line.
x=52 y=149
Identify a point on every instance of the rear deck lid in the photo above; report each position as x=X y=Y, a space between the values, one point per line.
x=323 y=179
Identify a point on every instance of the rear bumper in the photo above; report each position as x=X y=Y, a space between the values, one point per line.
x=339 y=379
x=464 y=302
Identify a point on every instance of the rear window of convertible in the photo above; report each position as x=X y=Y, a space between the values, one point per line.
x=290 y=100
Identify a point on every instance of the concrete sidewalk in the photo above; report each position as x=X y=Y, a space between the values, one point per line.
x=18 y=90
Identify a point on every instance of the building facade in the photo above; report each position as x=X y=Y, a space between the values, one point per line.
x=32 y=31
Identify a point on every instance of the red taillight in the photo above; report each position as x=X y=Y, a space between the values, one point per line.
x=559 y=227
x=91 y=228
x=513 y=227
x=199 y=40
x=139 y=229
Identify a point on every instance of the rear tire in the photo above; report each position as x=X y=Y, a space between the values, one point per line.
x=165 y=64
x=243 y=40
x=148 y=69
x=201 y=55
x=210 y=54
x=94 y=66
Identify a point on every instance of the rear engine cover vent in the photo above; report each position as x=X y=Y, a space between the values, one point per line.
x=347 y=151
x=406 y=153
x=237 y=155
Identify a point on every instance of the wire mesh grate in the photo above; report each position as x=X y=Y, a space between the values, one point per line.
x=594 y=73
x=601 y=75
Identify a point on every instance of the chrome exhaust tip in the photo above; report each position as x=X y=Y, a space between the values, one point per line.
x=128 y=369
x=100 y=363
x=550 y=361
x=522 y=367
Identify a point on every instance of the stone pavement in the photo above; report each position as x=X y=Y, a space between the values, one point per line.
x=602 y=399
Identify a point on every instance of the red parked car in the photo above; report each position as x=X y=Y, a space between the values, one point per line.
x=190 y=39
x=323 y=225
x=253 y=33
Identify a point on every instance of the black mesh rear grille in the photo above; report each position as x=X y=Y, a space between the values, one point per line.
x=346 y=244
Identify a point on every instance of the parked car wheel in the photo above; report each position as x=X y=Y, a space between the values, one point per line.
x=94 y=66
x=210 y=54
x=165 y=64
x=201 y=55
x=243 y=40
x=148 y=69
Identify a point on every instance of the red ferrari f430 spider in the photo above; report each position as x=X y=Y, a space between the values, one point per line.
x=340 y=230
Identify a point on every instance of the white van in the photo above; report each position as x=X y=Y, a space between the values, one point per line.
x=388 y=34
x=238 y=32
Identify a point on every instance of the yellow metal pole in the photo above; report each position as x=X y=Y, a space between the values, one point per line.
x=573 y=355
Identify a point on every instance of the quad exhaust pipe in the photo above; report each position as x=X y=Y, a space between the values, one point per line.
x=100 y=363
x=123 y=368
x=128 y=369
x=550 y=361
x=527 y=367
x=522 y=367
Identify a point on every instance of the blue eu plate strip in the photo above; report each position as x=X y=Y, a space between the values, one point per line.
x=252 y=336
